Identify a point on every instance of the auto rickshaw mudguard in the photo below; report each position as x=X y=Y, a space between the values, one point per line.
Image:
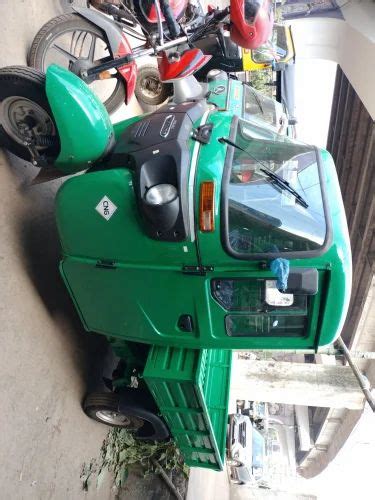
x=84 y=127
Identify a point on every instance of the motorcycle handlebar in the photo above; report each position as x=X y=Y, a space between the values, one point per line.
x=113 y=10
x=219 y=15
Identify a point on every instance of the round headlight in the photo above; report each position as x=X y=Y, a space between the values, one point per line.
x=161 y=194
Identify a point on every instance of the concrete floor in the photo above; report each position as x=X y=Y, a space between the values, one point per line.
x=47 y=361
x=205 y=484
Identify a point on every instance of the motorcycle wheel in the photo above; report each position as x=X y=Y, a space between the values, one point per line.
x=69 y=37
x=149 y=89
x=25 y=113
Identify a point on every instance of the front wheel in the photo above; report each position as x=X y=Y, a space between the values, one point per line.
x=25 y=115
x=69 y=40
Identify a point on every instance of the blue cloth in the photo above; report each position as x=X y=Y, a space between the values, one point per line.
x=280 y=267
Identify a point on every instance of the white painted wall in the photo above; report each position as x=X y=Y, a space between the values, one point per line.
x=350 y=43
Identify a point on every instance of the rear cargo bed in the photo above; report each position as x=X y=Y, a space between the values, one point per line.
x=191 y=389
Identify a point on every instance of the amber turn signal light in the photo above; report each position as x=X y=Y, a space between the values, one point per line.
x=207 y=206
x=105 y=75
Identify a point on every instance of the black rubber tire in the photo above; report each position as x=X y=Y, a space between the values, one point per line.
x=166 y=90
x=69 y=22
x=99 y=401
x=28 y=83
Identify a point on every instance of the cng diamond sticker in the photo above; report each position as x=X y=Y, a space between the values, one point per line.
x=106 y=208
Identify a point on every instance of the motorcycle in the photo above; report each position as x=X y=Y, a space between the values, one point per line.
x=96 y=48
x=145 y=13
x=226 y=56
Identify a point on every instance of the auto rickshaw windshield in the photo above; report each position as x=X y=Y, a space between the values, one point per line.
x=265 y=214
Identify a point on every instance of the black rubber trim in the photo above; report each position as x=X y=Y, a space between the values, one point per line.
x=140 y=403
x=325 y=287
x=268 y=256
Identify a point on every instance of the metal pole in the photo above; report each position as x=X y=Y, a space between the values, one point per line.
x=160 y=24
x=168 y=482
x=330 y=351
x=362 y=382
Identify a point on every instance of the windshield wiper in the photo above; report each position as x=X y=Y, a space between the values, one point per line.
x=283 y=184
x=276 y=179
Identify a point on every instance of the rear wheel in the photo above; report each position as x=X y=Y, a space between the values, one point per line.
x=25 y=115
x=69 y=39
x=104 y=407
x=149 y=89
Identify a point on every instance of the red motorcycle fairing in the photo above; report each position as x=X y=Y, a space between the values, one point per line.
x=128 y=71
x=251 y=22
x=188 y=63
x=148 y=9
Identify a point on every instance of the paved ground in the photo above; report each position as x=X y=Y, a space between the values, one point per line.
x=46 y=360
x=205 y=484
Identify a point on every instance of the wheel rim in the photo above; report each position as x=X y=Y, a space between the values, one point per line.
x=72 y=46
x=151 y=86
x=112 y=417
x=24 y=121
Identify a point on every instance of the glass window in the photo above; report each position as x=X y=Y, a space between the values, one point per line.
x=239 y=294
x=263 y=216
x=258 y=451
x=259 y=106
x=253 y=315
x=275 y=49
x=252 y=295
x=266 y=325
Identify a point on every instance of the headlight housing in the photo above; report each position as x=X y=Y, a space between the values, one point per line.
x=161 y=194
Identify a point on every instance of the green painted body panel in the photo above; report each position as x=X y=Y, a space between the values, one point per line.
x=191 y=389
x=142 y=298
x=231 y=100
x=86 y=234
x=82 y=121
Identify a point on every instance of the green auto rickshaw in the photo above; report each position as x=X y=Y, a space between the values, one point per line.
x=192 y=232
